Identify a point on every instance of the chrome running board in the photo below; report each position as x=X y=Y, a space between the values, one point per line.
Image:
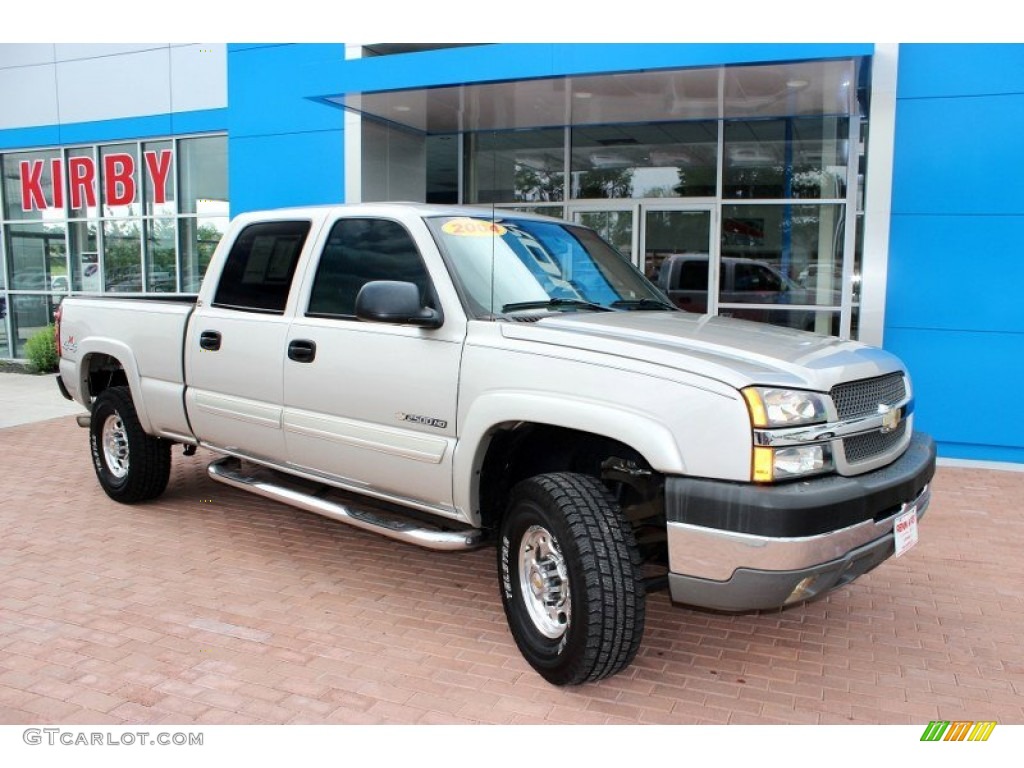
x=393 y=524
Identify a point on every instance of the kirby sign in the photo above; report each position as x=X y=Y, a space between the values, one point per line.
x=119 y=176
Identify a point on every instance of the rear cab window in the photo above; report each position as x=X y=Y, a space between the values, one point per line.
x=257 y=274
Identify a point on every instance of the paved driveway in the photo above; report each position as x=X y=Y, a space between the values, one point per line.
x=213 y=606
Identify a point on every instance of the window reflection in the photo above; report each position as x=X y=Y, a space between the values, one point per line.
x=786 y=158
x=644 y=161
x=517 y=166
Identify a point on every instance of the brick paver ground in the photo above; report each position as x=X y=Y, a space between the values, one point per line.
x=213 y=606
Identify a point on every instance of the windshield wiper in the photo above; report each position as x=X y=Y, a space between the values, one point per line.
x=645 y=304
x=555 y=304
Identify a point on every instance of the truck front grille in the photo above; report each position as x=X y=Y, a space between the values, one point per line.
x=862 y=398
x=863 y=447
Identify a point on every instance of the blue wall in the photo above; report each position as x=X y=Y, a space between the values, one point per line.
x=284 y=148
x=955 y=310
x=127 y=128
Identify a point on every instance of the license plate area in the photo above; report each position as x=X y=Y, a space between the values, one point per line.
x=904 y=530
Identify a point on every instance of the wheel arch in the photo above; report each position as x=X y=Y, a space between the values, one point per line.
x=549 y=435
x=107 y=363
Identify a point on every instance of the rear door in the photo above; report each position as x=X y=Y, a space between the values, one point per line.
x=237 y=344
x=372 y=405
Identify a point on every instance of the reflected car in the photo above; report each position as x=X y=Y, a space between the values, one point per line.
x=684 y=279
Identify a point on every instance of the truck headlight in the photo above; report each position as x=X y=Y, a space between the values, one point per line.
x=770 y=407
x=772 y=464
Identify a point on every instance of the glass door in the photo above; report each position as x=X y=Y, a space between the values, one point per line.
x=678 y=254
x=616 y=224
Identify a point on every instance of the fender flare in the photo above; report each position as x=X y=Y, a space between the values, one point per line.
x=640 y=431
x=123 y=354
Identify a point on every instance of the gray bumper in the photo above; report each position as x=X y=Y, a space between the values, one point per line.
x=777 y=545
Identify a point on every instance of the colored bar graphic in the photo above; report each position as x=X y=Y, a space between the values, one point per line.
x=982 y=730
x=958 y=730
x=935 y=730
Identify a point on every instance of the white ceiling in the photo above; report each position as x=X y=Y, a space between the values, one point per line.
x=768 y=90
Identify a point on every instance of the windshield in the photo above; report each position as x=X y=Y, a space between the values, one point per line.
x=511 y=265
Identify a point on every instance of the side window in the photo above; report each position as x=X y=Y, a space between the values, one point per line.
x=755 y=277
x=693 y=276
x=258 y=272
x=357 y=252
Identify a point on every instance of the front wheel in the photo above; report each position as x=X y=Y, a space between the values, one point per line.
x=130 y=465
x=570 y=579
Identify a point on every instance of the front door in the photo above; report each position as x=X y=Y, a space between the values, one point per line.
x=372 y=406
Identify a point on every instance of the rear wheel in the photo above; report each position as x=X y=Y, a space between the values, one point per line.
x=570 y=579
x=130 y=465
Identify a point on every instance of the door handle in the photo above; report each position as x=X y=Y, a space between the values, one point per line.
x=302 y=350
x=209 y=340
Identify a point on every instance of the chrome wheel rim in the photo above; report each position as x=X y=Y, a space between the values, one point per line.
x=115 y=446
x=544 y=582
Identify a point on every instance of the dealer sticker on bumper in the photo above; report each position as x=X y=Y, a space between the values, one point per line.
x=905 y=531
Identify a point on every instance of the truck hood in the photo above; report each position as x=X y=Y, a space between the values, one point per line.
x=736 y=352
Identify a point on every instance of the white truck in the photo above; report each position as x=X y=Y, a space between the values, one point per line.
x=454 y=377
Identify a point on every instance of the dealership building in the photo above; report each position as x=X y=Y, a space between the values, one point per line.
x=858 y=190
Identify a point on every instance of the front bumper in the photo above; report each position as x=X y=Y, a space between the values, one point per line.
x=739 y=546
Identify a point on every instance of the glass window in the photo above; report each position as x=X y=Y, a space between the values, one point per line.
x=157 y=176
x=517 y=166
x=782 y=254
x=5 y=349
x=614 y=226
x=161 y=258
x=203 y=175
x=29 y=191
x=357 y=252
x=30 y=313
x=122 y=255
x=654 y=160
x=81 y=183
x=119 y=173
x=671 y=233
x=85 y=257
x=258 y=272
x=786 y=158
x=693 y=276
x=36 y=257
x=198 y=238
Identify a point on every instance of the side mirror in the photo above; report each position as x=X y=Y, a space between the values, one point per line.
x=391 y=301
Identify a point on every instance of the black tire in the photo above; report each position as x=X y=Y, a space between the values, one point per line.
x=565 y=528
x=130 y=465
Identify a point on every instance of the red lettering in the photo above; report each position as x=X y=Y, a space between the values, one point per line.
x=82 y=176
x=57 y=174
x=31 y=186
x=118 y=183
x=159 y=165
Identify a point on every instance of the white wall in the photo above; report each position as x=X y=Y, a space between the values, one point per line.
x=49 y=84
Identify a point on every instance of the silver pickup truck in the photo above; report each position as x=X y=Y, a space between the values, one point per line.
x=454 y=377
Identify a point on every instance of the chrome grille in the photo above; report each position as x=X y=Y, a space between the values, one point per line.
x=862 y=398
x=863 y=447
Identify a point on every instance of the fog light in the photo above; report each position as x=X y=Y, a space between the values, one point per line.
x=802 y=591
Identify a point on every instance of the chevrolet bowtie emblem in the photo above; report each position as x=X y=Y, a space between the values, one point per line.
x=890 y=417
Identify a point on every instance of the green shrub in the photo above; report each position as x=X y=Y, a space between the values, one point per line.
x=41 y=350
